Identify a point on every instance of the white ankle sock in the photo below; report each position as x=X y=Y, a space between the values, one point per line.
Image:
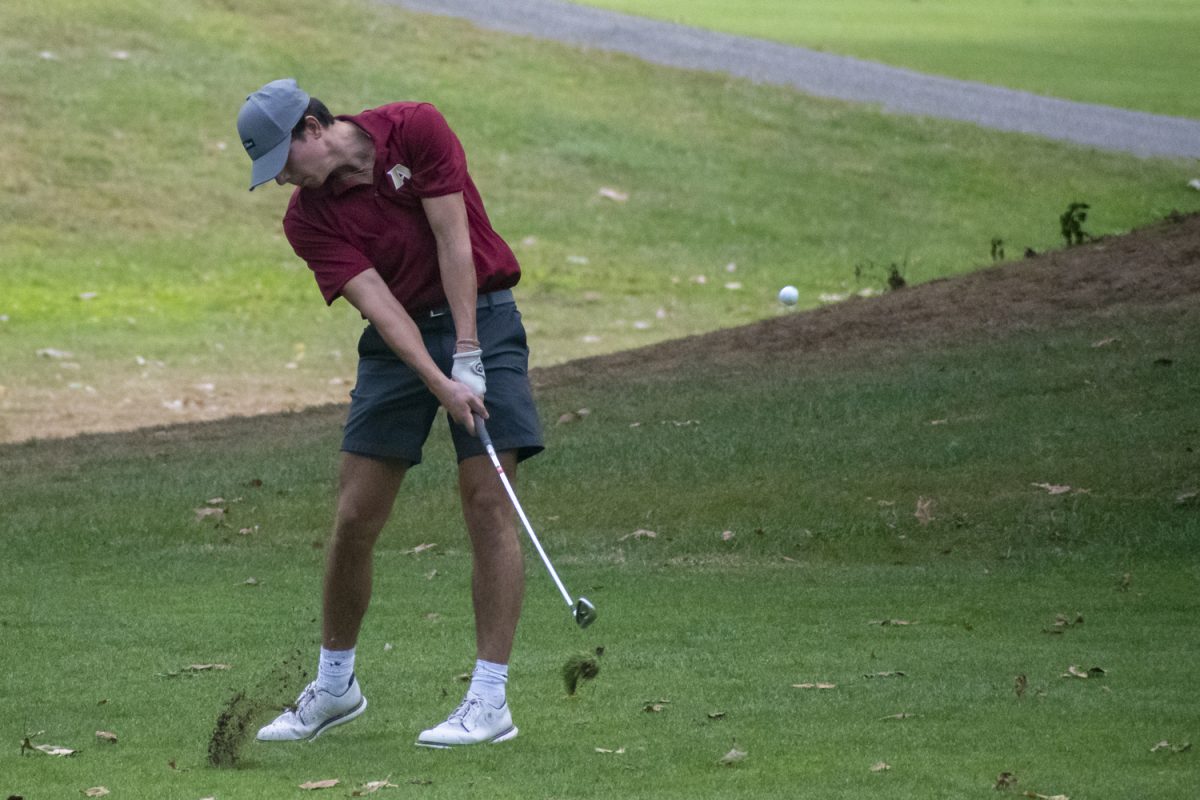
x=334 y=670
x=489 y=681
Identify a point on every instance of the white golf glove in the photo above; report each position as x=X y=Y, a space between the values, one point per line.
x=468 y=370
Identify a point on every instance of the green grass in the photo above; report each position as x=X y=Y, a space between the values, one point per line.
x=1132 y=55
x=815 y=466
x=123 y=177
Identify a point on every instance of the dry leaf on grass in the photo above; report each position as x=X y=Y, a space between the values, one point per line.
x=1064 y=621
x=55 y=750
x=1075 y=671
x=421 y=548
x=880 y=766
x=620 y=751
x=96 y=791
x=616 y=195
x=326 y=784
x=655 y=706
x=734 y=756
x=901 y=715
x=1174 y=748
x=1037 y=796
x=210 y=512
x=814 y=685
x=886 y=622
x=1005 y=780
x=106 y=736
x=924 y=512
x=640 y=533
x=885 y=675
x=372 y=787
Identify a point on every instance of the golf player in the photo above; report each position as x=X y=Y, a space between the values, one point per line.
x=386 y=216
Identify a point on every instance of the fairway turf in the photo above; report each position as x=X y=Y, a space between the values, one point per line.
x=1111 y=52
x=784 y=500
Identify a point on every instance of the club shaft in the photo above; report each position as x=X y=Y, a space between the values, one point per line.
x=491 y=451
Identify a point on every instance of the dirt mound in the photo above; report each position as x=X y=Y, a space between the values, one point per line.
x=1153 y=267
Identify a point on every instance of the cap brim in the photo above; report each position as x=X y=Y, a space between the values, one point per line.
x=269 y=165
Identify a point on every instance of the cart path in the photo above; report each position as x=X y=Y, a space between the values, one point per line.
x=894 y=89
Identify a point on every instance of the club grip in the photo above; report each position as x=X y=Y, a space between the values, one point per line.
x=481 y=431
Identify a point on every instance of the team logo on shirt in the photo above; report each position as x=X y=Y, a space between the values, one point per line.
x=399 y=174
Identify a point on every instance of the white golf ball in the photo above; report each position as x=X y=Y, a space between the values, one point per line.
x=788 y=295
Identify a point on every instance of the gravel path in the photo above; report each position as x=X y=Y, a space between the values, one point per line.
x=825 y=75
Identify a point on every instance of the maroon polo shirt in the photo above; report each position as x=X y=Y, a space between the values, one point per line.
x=341 y=231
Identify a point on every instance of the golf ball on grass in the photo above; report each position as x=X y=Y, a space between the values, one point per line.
x=788 y=295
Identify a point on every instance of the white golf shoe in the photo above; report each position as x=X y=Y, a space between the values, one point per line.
x=475 y=721
x=315 y=712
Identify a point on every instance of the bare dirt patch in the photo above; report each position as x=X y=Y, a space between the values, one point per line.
x=1157 y=267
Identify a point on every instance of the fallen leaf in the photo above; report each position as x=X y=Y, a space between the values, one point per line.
x=655 y=706
x=106 y=736
x=616 y=195
x=901 y=715
x=96 y=791
x=50 y=352
x=250 y=582
x=716 y=715
x=885 y=675
x=1105 y=342
x=55 y=750
x=421 y=548
x=814 y=685
x=372 y=787
x=734 y=756
x=1074 y=671
x=620 y=751
x=206 y=512
x=886 y=622
x=924 y=512
x=727 y=536
x=1063 y=621
x=247 y=531
x=1188 y=499
x=640 y=533
x=1005 y=780
x=1020 y=685
x=326 y=784
x=880 y=766
x=1052 y=488
x=1037 y=796
x=1174 y=748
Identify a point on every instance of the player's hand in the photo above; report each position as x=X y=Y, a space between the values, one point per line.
x=461 y=403
x=468 y=370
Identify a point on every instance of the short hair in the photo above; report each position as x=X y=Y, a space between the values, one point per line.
x=315 y=109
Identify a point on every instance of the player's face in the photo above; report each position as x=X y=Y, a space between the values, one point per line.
x=308 y=160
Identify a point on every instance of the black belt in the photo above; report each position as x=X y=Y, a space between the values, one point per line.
x=502 y=297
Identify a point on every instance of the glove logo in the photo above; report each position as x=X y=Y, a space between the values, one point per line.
x=477 y=368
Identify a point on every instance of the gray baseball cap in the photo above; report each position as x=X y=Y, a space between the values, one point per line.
x=265 y=126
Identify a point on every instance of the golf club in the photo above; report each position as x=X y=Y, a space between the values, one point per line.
x=582 y=609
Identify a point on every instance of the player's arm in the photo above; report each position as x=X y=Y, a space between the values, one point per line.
x=447 y=217
x=369 y=293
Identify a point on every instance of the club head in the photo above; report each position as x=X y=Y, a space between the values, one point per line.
x=585 y=612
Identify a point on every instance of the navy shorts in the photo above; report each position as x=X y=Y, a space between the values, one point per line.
x=392 y=411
